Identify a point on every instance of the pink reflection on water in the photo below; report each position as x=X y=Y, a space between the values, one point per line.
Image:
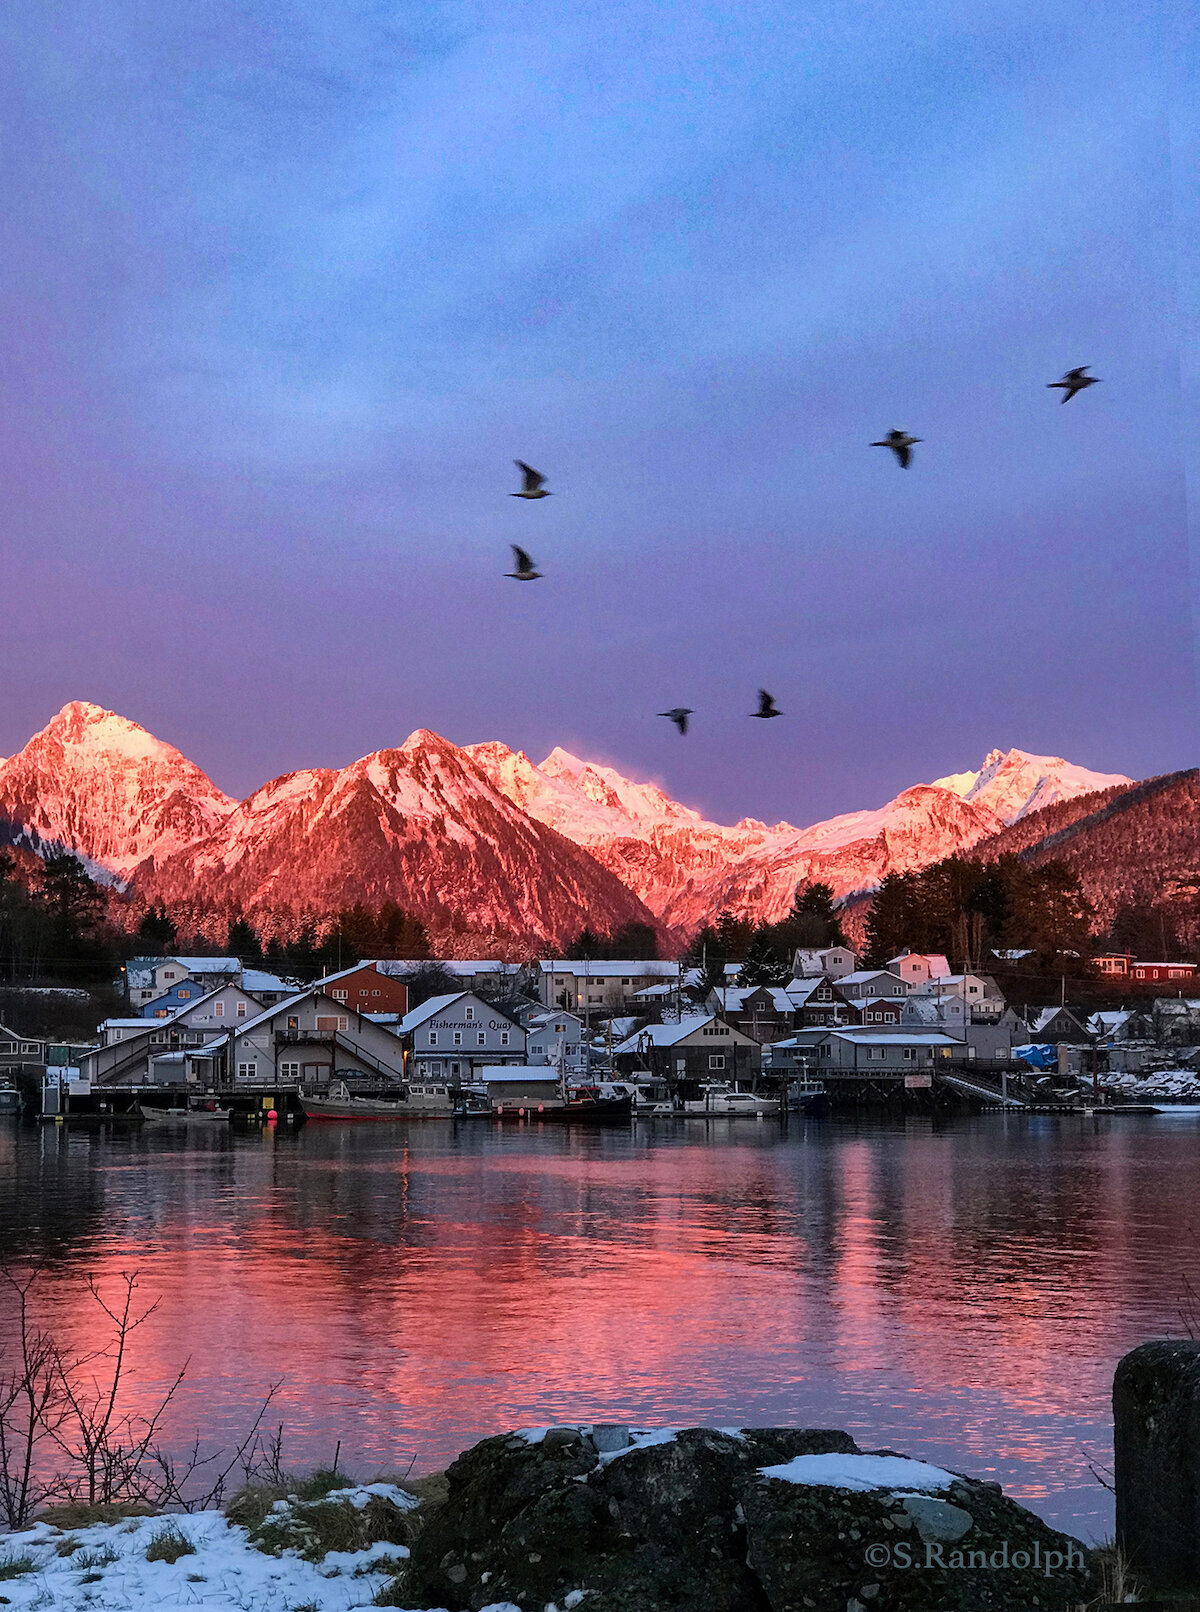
x=960 y=1294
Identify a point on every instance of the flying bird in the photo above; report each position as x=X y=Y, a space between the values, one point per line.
x=532 y=487
x=679 y=716
x=901 y=445
x=526 y=571
x=766 y=702
x=1074 y=381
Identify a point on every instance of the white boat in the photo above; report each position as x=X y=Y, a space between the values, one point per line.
x=184 y=1116
x=720 y=1098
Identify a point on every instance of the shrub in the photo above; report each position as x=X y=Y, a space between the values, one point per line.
x=15 y=1566
x=168 y=1545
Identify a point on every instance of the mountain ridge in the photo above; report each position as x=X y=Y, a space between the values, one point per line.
x=477 y=835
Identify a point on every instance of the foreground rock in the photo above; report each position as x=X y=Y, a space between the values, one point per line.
x=760 y=1520
x=1156 y=1445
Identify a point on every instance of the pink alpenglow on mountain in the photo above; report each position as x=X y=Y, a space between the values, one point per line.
x=96 y=784
x=421 y=826
x=1012 y=783
x=685 y=869
x=476 y=836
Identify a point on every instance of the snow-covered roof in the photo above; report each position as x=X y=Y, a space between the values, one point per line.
x=432 y=1005
x=896 y=1038
x=732 y=998
x=666 y=1035
x=254 y=979
x=207 y=965
x=609 y=969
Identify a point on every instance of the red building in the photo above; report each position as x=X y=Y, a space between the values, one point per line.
x=366 y=990
x=1161 y=973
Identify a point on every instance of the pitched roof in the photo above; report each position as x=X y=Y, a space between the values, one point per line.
x=667 y=1035
x=433 y=1004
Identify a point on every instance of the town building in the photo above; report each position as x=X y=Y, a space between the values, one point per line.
x=880 y=1051
x=366 y=987
x=594 y=986
x=873 y=983
x=130 y=1049
x=450 y=1037
x=554 y=1034
x=527 y=1085
x=762 y=1012
x=149 y=977
x=918 y=968
x=831 y=961
x=700 y=1047
x=818 y=1000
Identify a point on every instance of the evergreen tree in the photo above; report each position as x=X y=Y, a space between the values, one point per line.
x=244 y=943
x=156 y=934
x=763 y=965
x=706 y=955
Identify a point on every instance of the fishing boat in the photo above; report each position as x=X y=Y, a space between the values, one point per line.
x=194 y=1114
x=590 y=1105
x=420 y=1101
x=719 y=1098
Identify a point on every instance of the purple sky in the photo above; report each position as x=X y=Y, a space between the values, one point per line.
x=289 y=284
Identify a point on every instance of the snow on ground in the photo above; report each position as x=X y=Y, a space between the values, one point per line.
x=893 y=1472
x=1163 y=1083
x=108 y=1572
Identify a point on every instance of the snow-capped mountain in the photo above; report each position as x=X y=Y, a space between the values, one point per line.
x=1012 y=784
x=685 y=868
x=96 y=784
x=476 y=836
x=420 y=825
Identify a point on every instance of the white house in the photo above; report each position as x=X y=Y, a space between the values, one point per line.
x=594 y=984
x=450 y=1037
x=875 y=983
x=832 y=961
x=128 y=1046
x=884 y=1051
x=149 y=977
x=979 y=992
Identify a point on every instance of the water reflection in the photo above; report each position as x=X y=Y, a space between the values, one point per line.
x=961 y=1292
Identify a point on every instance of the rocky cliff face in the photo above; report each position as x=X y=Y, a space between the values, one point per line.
x=420 y=825
x=685 y=869
x=96 y=784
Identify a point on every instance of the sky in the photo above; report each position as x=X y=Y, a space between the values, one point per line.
x=288 y=285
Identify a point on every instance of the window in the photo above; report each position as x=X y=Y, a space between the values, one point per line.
x=560 y=1029
x=168 y=974
x=972 y=990
x=184 y=995
x=716 y=1060
x=876 y=1054
x=339 y=996
x=161 y=1013
x=248 y=1071
x=910 y=1053
x=481 y=1038
x=241 y=1010
x=218 y=1010
x=289 y=1071
x=158 y=1038
x=626 y=982
x=535 y=1046
x=469 y=1014
x=29 y=1046
x=343 y=1022
x=457 y=1038
x=435 y=1068
x=504 y=1038
x=433 y=1038
x=373 y=993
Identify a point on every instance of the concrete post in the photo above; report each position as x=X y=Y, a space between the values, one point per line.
x=1156 y=1448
